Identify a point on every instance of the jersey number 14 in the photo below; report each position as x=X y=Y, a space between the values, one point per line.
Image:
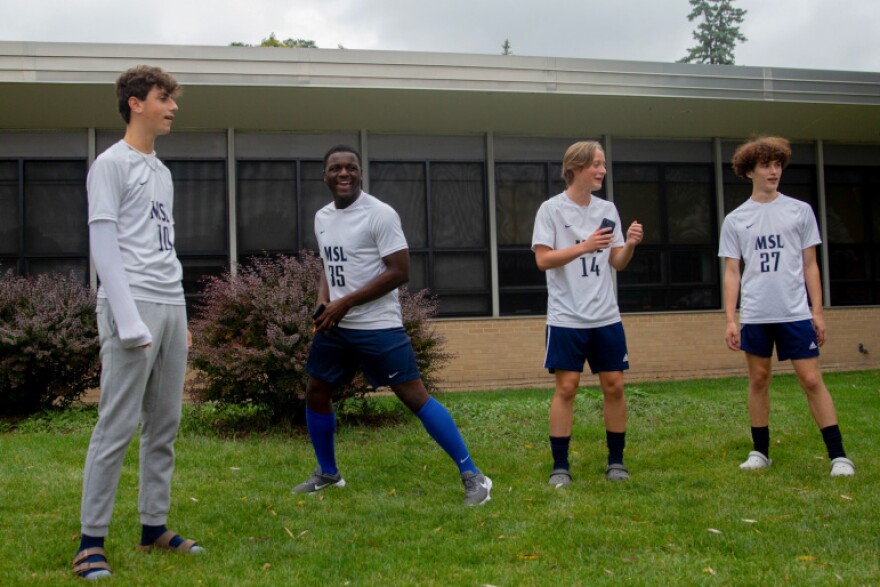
x=594 y=268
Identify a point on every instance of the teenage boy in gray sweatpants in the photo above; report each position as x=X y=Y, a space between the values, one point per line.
x=141 y=321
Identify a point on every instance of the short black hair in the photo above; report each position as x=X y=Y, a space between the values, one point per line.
x=342 y=149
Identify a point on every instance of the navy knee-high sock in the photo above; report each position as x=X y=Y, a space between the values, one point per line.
x=322 y=428
x=87 y=541
x=616 y=443
x=761 y=439
x=833 y=441
x=559 y=449
x=440 y=425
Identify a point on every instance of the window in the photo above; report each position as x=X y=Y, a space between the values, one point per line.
x=853 y=217
x=43 y=228
x=442 y=207
x=276 y=206
x=676 y=266
x=520 y=189
x=200 y=221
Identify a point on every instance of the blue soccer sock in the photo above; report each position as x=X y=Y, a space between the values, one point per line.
x=322 y=428
x=440 y=425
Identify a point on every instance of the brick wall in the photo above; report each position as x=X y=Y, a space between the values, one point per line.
x=509 y=352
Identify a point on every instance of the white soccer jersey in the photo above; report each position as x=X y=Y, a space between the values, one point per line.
x=771 y=239
x=581 y=293
x=134 y=190
x=352 y=242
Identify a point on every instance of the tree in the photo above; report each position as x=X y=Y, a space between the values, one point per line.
x=273 y=41
x=717 y=33
x=505 y=47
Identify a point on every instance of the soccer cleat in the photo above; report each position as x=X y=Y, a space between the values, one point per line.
x=319 y=481
x=616 y=472
x=755 y=461
x=476 y=488
x=560 y=478
x=842 y=467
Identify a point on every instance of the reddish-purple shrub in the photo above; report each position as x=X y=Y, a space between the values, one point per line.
x=49 y=351
x=253 y=331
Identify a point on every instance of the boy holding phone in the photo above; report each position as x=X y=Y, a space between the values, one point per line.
x=577 y=241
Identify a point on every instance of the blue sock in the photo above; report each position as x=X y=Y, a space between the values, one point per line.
x=322 y=427
x=440 y=425
x=87 y=541
x=150 y=534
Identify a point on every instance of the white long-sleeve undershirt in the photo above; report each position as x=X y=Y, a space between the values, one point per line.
x=104 y=244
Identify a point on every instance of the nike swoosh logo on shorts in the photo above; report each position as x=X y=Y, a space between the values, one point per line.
x=391 y=375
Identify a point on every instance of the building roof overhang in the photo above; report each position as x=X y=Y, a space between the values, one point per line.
x=46 y=86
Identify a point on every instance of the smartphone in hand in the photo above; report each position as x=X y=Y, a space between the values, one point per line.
x=318 y=311
x=607 y=223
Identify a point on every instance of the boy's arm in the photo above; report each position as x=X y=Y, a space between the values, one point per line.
x=621 y=256
x=104 y=244
x=396 y=274
x=813 y=281
x=731 y=295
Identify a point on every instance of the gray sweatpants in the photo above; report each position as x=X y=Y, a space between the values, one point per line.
x=143 y=385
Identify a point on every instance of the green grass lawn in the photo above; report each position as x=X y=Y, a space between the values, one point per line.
x=688 y=516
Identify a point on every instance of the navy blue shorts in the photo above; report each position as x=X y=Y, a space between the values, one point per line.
x=793 y=340
x=604 y=348
x=385 y=356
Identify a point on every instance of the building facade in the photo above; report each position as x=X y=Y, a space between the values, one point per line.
x=465 y=148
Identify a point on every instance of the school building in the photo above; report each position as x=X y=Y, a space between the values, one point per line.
x=465 y=148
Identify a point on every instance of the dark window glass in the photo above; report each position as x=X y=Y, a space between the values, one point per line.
x=676 y=266
x=10 y=222
x=442 y=208
x=314 y=195
x=403 y=187
x=853 y=217
x=78 y=268
x=56 y=208
x=200 y=222
x=520 y=189
x=267 y=207
x=458 y=205
x=200 y=217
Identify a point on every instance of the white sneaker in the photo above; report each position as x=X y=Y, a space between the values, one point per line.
x=842 y=467
x=755 y=461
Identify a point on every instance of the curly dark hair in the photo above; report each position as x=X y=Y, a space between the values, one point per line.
x=137 y=82
x=760 y=150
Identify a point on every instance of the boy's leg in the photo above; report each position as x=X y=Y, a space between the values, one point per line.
x=760 y=376
x=822 y=407
x=437 y=421
x=561 y=422
x=614 y=412
x=321 y=422
x=161 y=410
x=819 y=399
x=124 y=374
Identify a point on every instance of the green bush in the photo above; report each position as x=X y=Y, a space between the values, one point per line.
x=253 y=330
x=49 y=350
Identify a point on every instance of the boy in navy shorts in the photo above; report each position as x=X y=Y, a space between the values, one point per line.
x=776 y=237
x=358 y=324
x=577 y=240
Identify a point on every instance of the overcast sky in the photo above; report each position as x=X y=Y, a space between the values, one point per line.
x=811 y=34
